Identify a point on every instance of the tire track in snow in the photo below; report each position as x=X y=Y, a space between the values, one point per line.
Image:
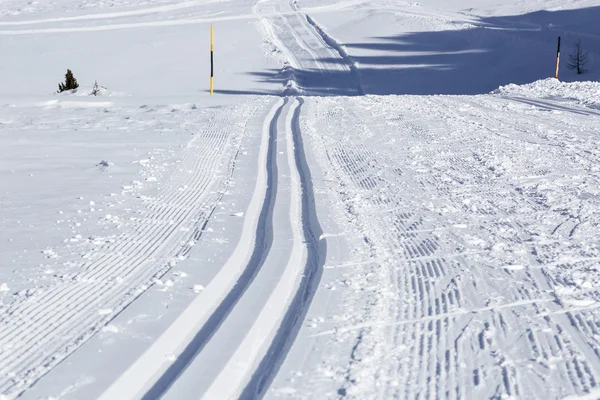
x=423 y=265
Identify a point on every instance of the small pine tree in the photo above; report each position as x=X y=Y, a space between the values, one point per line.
x=96 y=89
x=578 y=58
x=70 y=82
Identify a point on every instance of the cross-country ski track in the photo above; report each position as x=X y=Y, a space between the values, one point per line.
x=287 y=265
x=256 y=258
x=268 y=242
x=342 y=245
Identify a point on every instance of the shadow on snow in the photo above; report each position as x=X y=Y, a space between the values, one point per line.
x=476 y=59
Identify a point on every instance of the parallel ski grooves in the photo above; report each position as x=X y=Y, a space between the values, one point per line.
x=307 y=49
x=264 y=240
x=317 y=249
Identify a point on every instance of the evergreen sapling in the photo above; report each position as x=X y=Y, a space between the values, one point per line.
x=70 y=82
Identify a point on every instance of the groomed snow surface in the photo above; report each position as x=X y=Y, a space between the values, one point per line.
x=383 y=199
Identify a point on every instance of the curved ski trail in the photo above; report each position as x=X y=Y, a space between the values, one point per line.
x=262 y=349
x=250 y=369
x=255 y=263
x=153 y=373
x=144 y=252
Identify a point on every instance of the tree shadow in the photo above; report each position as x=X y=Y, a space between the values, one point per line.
x=468 y=60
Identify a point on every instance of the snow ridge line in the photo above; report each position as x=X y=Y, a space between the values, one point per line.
x=259 y=356
x=334 y=44
x=39 y=331
x=290 y=64
x=303 y=46
x=151 y=10
x=154 y=372
x=149 y=24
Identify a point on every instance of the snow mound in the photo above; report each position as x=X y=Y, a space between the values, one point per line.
x=584 y=93
x=99 y=91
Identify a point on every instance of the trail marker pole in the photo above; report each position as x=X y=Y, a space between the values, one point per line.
x=557 y=59
x=212 y=65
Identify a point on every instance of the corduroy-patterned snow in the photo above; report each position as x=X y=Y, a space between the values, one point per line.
x=381 y=200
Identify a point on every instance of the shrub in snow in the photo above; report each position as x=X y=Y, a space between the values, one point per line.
x=578 y=58
x=103 y=165
x=97 y=90
x=70 y=82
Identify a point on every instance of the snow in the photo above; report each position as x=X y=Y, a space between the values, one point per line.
x=449 y=275
x=139 y=378
x=383 y=199
x=233 y=376
x=586 y=94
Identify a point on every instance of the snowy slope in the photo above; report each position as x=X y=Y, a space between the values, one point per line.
x=481 y=269
x=420 y=49
x=314 y=230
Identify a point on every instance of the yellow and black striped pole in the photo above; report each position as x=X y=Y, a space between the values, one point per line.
x=212 y=65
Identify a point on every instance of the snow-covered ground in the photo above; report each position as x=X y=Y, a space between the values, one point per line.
x=383 y=199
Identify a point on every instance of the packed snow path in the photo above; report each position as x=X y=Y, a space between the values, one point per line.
x=275 y=267
x=258 y=254
x=164 y=235
x=481 y=227
x=458 y=258
x=314 y=64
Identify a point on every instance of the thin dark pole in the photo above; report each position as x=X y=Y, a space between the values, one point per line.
x=557 y=58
